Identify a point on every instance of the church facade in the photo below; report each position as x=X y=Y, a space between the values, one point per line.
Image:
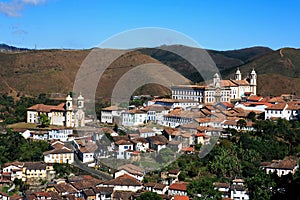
x=64 y=114
x=219 y=90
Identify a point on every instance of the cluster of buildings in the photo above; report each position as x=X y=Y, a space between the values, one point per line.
x=189 y=101
x=193 y=116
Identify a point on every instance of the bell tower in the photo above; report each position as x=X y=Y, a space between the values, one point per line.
x=253 y=78
x=238 y=75
x=69 y=111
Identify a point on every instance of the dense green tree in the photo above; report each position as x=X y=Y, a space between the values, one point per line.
x=203 y=188
x=44 y=120
x=149 y=196
x=261 y=186
x=252 y=116
x=241 y=123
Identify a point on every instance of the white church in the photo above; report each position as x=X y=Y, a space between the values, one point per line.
x=65 y=114
x=219 y=90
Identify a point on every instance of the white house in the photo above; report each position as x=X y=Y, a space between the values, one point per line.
x=146 y=132
x=137 y=172
x=223 y=188
x=109 y=114
x=286 y=111
x=15 y=169
x=121 y=147
x=134 y=117
x=238 y=191
x=178 y=188
x=140 y=144
x=123 y=183
x=158 y=142
x=85 y=149
x=60 y=134
x=59 y=155
x=281 y=167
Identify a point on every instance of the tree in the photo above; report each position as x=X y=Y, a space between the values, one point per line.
x=261 y=186
x=44 y=120
x=149 y=196
x=203 y=188
x=251 y=115
x=241 y=123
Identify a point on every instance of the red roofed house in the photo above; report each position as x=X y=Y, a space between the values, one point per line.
x=123 y=183
x=286 y=111
x=178 y=188
x=121 y=147
x=281 y=167
x=59 y=155
x=132 y=170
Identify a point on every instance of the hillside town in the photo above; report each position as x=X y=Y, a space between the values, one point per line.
x=118 y=158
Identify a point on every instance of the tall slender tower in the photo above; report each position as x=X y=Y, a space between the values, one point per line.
x=238 y=75
x=216 y=80
x=253 y=78
x=69 y=111
x=80 y=115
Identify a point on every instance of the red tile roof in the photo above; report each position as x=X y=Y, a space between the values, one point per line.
x=279 y=106
x=47 y=108
x=181 y=186
x=177 y=197
x=124 y=180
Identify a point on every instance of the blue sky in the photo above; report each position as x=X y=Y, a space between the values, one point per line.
x=220 y=25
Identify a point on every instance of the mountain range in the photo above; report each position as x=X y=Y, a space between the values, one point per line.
x=31 y=72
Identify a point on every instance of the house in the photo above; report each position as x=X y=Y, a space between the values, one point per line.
x=140 y=144
x=160 y=188
x=178 y=188
x=104 y=193
x=121 y=147
x=158 y=142
x=42 y=195
x=156 y=112
x=85 y=149
x=137 y=172
x=177 y=103
x=134 y=117
x=33 y=172
x=238 y=190
x=63 y=189
x=110 y=114
x=178 y=116
x=194 y=92
x=13 y=169
x=60 y=134
x=281 y=167
x=288 y=111
x=173 y=175
x=233 y=124
x=84 y=183
x=223 y=188
x=146 y=132
x=64 y=114
x=123 y=183
x=59 y=155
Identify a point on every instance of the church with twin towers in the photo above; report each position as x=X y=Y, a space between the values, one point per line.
x=219 y=90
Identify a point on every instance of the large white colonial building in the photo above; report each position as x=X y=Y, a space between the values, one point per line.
x=219 y=90
x=64 y=114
